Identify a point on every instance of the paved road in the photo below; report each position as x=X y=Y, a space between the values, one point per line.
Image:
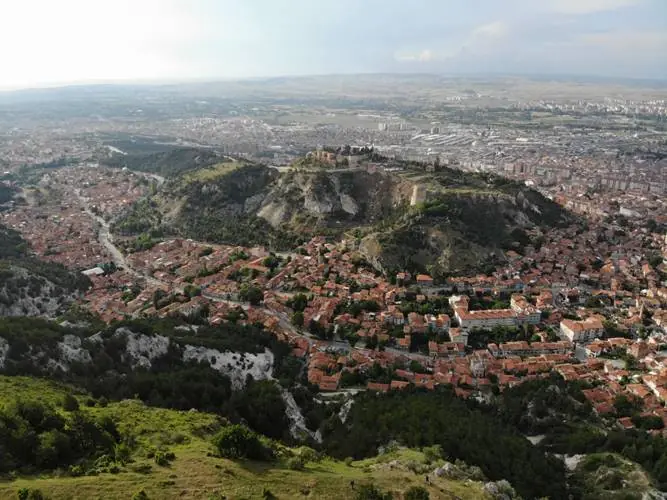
x=106 y=239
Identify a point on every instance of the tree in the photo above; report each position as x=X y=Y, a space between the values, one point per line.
x=158 y=295
x=54 y=448
x=237 y=441
x=297 y=319
x=70 y=403
x=271 y=262
x=416 y=366
x=655 y=260
x=298 y=302
x=625 y=406
x=417 y=493
x=251 y=294
x=317 y=329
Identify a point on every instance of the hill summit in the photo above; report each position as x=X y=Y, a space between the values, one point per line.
x=400 y=215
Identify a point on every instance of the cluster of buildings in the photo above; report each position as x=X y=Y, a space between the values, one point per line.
x=332 y=280
x=55 y=217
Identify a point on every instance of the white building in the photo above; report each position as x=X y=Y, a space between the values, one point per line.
x=581 y=331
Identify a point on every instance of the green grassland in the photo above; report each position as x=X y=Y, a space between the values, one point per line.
x=196 y=472
x=209 y=173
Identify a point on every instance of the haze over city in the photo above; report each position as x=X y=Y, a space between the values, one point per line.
x=48 y=42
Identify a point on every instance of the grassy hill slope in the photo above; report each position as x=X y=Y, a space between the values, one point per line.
x=196 y=472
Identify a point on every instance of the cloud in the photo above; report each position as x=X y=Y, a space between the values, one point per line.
x=496 y=29
x=425 y=55
x=589 y=6
x=626 y=41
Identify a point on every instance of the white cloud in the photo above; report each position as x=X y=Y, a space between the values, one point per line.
x=589 y=6
x=425 y=55
x=496 y=29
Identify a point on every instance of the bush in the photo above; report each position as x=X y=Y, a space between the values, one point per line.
x=70 y=403
x=371 y=492
x=268 y=495
x=308 y=454
x=433 y=453
x=162 y=458
x=140 y=495
x=122 y=453
x=348 y=461
x=237 y=441
x=30 y=494
x=76 y=470
x=417 y=493
x=296 y=463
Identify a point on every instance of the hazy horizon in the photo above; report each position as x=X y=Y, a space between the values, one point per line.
x=65 y=42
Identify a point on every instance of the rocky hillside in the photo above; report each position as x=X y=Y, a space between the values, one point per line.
x=442 y=222
x=228 y=369
x=31 y=287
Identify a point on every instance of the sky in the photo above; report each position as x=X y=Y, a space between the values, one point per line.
x=46 y=42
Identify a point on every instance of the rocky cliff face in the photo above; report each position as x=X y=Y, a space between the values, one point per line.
x=139 y=351
x=338 y=197
x=23 y=293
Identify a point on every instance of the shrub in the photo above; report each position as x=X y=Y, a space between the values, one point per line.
x=433 y=453
x=237 y=441
x=140 y=495
x=141 y=468
x=162 y=458
x=296 y=463
x=348 y=461
x=76 y=470
x=417 y=493
x=70 y=403
x=122 y=453
x=267 y=495
x=371 y=492
x=103 y=402
x=307 y=454
x=30 y=494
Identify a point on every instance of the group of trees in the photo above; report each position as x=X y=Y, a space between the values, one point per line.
x=35 y=437
x=6 y=193
x=480 y=338
x=559 y=410
x=170 y=381
x=418 y=418
x=166 y=163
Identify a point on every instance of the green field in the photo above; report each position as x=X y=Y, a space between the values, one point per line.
x=196 y=472
x=212 y=172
